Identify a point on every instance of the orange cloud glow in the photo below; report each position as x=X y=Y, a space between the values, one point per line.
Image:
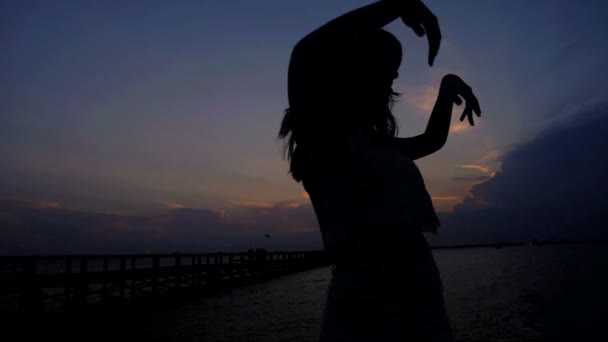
x=46 y=205
x=37 y=204
x=445 y=203
x=490 y=155
x=446 y=198
x=459 y=127
x=254 y=204
x=172 y=205
x=422 y=99
x=481 y=168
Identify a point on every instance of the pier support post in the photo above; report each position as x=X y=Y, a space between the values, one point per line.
x=82 y=283
x=31 y=294
x=178 y=276
x=155 y=273
x=123 y=276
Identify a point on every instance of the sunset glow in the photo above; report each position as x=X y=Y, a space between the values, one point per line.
x=171 y=113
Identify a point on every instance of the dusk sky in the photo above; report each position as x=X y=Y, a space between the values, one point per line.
x=156 y=113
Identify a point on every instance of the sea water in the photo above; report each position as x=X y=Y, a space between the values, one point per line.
x=511 y=294
x=540 y=293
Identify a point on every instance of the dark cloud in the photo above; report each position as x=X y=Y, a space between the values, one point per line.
x=554 y=186
x=37 y=227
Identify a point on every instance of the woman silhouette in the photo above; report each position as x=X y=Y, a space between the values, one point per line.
x=368 y=195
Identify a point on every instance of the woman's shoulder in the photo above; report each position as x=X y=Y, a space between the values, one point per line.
x=352 y=159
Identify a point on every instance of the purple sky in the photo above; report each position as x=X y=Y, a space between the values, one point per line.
x=139 y=110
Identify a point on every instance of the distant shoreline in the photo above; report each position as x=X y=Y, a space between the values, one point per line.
x=516 y=244
x=480 y=245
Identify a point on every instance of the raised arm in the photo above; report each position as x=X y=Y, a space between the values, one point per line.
x=436 y=134
x=370 y=17
x=375 y=16
x=317 y=55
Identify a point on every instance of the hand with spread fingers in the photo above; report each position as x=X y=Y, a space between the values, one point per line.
x=457 y=89
x=417 y=16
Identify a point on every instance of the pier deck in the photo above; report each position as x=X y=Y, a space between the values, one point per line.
x=58 y=282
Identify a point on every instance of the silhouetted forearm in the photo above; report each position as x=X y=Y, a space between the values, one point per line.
x=438 y=127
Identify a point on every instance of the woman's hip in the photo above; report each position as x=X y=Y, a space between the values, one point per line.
x=365 y=306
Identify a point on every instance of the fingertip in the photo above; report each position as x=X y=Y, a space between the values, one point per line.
x=433 y=55
x=418 y=30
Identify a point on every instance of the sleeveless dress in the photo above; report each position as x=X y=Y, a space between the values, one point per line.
x=372 y=204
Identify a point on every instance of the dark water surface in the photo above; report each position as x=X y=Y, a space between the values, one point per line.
x=543 y=293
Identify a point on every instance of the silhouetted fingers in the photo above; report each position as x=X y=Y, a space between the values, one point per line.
x=458 y=100
x=418 y=29
x=433 y=33
x=468 y=113
x=474 y=104
x=476 y=108
x=464 y=115
x=414 y=24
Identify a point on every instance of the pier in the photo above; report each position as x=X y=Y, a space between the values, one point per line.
x=60 y=282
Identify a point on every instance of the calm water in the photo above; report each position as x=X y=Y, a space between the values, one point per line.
x=547 y=293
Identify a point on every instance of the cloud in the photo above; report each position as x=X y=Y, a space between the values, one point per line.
x=471 y=178
x=35 y=229
x=564 y=166
x=29 y=203
x=254 y=204
x=172 y=205
x=491 y=155
x=459 y=127
x=446 y=198
x=553 y=186
x=481 y=168
x=422 y=98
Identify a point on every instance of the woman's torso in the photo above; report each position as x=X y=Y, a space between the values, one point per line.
x=370 y=200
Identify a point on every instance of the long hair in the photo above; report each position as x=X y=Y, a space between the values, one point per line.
x=317 y=119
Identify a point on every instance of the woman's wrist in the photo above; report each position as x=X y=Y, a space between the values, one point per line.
x=446 y=88
x=454 y=87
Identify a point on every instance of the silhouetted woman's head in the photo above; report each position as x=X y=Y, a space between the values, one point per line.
x=373 y=64
x=337 y=88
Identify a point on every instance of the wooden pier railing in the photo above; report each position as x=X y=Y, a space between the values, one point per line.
x=47 y=282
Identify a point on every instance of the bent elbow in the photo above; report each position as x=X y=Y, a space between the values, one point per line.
x=435 y=145
x=438 y=146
